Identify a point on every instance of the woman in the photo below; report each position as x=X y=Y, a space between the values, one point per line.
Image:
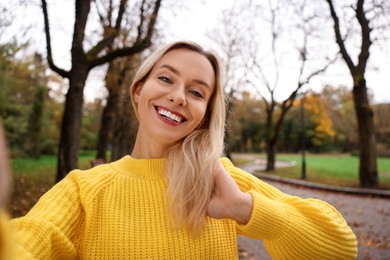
x=174 y=198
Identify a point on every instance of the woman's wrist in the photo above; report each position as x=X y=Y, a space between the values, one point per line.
x=243 y=208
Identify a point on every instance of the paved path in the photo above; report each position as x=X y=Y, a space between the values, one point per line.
x=368 y=216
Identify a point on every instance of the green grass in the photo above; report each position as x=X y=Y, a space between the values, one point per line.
x=44 y=167
x=32 y=178
x=339 y=170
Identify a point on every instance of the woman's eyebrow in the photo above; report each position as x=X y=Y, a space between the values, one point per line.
x=175 y=71
x=201 y=82
x=170 y=68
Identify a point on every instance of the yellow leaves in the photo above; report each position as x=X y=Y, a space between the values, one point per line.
x=323 y=126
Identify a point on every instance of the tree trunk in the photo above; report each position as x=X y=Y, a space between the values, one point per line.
x=68 y=150
x=33 y=142
x=270 y=150
x=118 y=79
x=273 y=130
x=106 y=127
x=368 y=172
x=229 y=107
x=125 y=131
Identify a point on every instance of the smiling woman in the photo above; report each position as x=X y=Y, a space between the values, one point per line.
x=181 y=83
x=174 y=197
x=172 y=101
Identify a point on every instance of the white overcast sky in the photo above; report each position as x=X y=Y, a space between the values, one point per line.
x=190 y=23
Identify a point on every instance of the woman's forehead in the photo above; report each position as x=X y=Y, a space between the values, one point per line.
x=188 y=62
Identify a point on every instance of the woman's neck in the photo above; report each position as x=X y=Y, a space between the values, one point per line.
x=148 y=150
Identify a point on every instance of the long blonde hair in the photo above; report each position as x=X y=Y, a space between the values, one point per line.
x=190 y=163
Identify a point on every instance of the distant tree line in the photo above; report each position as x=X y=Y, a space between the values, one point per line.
x=330 y=124
x=32 y=114
x=40 y=120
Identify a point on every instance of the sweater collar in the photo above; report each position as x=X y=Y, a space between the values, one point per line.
x=141 y=168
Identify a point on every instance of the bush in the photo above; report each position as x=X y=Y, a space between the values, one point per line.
x=49 y=146
x=382 y=150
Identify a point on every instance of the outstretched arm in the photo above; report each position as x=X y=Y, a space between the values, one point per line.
x=291 y=227
x=4 y=169
x=47 y=230
x=5 y=244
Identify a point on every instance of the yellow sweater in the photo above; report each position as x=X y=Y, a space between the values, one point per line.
x=118 y=211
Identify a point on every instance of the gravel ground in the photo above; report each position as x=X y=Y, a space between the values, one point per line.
x=368 y=216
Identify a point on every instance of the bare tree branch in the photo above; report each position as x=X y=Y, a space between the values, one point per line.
x=153 y=21
x=137 y=46
x=122 y=8
x=105 y=42
x=339 y=38
x=112 y=33
x=101 y=18
x=52 y=66
x=141 y=21
x=319 y=71
x=366 y=41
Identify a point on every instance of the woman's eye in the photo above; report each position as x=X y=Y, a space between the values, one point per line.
x=165 y=79
x=196 y=93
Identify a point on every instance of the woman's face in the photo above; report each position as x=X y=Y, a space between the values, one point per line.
x=173 y=100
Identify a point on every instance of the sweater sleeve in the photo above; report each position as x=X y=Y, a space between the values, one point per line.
x=292 y=227
x=51 y=228
x=5 y=237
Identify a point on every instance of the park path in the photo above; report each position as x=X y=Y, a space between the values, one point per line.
x=368 y=216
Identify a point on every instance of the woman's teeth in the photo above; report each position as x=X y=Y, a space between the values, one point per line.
x=170 y=115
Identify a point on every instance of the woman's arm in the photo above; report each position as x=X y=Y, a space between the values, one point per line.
x=52 y=227
x=291 y=227
x=227 y=200
x=49 y=230
x=5 y=243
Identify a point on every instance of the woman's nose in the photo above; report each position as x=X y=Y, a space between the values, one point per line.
x=178 y=97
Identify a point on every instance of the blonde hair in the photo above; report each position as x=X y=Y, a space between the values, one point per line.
x=190 y=163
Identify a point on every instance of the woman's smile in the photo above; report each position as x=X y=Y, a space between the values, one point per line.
x=169 y=117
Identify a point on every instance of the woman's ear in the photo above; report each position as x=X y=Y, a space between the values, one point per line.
x=137 y=92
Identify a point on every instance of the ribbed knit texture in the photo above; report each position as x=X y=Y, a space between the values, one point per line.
x=118 y=211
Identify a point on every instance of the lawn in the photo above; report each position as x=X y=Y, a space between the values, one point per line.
x=337 y=169
x=32 y=178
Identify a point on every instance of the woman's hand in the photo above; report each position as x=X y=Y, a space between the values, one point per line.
x=227 y=200
x=4 y=170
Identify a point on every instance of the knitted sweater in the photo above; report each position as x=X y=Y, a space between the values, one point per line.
x=118 y=211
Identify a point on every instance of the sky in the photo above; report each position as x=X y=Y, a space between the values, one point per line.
x=191 y=23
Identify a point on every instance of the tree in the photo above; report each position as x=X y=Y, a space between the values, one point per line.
x=83 y=62
x=368 y=171
x=245 y=126
x=92 y=112
x=35 y=118
x=118 y=116
x=318 y=128
x=117 y=80
x=276 y=111
x=338 y=102
x=232 y=40
x=320 y=125
x=382 y=126
x=22 y=82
